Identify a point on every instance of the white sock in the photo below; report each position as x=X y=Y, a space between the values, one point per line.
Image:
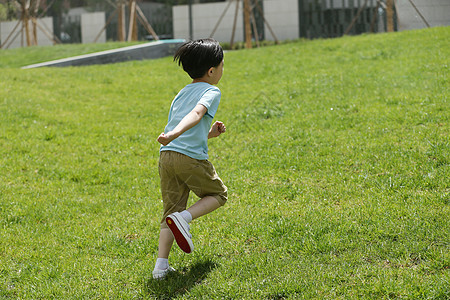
x=186 y=216
x=162 y=263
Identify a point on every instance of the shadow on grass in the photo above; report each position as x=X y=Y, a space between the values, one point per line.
x=179 y=282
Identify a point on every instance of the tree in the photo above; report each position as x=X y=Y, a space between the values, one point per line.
x=390 y=15
x=7 y=10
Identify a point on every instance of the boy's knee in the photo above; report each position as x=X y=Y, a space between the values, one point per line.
x=222 y=198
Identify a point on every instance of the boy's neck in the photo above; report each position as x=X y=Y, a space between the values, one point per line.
x=200 y=80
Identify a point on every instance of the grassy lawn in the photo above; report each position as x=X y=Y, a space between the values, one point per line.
x=14 y=58
x=336 y=158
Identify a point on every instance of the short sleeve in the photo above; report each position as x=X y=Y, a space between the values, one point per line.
x=211 y=100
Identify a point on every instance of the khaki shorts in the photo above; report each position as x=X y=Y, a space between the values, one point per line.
x=181 y=174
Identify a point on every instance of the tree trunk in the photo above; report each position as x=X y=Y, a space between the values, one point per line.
x=390 y=15
x=26 y=21
x=121 y=22
x=248 y=29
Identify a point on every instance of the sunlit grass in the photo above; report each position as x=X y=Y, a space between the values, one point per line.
x=336 y=157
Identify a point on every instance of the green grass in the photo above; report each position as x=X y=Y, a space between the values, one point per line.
x=336 y=157
x=20 y=57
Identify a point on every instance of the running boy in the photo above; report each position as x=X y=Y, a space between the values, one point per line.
x=183 y=164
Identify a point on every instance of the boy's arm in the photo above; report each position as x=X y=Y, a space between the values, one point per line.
x=217 y=129
x=189 y=121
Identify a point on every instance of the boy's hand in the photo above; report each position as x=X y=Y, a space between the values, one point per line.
x=217 y=129
x=165 y=139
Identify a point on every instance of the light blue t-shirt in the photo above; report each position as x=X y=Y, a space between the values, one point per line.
x=193 y=142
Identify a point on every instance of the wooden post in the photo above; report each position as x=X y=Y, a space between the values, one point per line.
x=34 y=18
x=355 y=18
x=121 y=21
x=47 y=33
x=248 y=29
x=34 y=29
x=255 y=29
x=234 y=24
x=390 y=15
x=26 y=20
x=132 y=26
x=374 y=17
x=418 y=12
x=106 y=24
x=53 y=37
x=10 y=34
x=146 y=23
x=267 y=23
x=220 y=19
x=14 y=37
x=134 y=35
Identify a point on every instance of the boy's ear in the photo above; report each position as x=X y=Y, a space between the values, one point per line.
x=211 y=71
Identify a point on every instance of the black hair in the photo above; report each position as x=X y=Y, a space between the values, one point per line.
x=198 y=56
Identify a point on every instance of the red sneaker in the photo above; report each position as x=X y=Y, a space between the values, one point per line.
x=180 y=230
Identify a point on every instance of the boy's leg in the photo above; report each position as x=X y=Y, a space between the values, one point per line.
x=206 y=184
x=203 y=206
x=180 y=228
x=175 y=196
x=201 y=178
x=162 y=267
x=165 y=243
